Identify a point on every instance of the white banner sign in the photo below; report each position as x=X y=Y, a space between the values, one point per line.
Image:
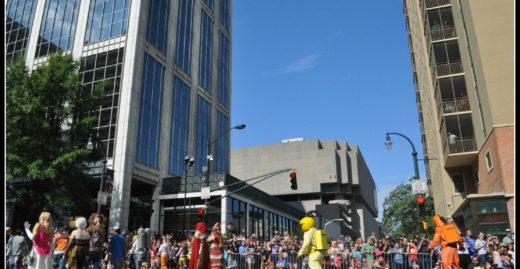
x=419 y=186
x=204 y=193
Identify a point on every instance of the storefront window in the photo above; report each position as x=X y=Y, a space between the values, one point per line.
x=492 y=216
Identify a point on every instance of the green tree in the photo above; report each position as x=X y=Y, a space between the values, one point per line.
x=48 y=122
x=401 y=215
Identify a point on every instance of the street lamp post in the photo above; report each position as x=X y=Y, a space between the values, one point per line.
x=210 y=157
x=388 y=144
x=188 y=163
x=90 y=146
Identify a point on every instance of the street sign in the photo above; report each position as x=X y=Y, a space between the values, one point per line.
x=419 y=186
x=102 y=198
x=204 y=193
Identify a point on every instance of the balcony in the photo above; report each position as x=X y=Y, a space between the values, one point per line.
x=449 y=69
x=444 y=33
x=436 y=3
x=460 y=152
x=456 y=105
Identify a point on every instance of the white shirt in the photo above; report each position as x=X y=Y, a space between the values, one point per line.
x=165 y=247
x=478 y=243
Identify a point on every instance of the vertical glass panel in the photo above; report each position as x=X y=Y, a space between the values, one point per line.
x=184 y=33
x=150 y=113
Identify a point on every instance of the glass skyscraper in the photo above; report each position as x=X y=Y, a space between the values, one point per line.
x=167 y=64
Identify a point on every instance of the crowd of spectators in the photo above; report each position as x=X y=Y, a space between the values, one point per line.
x=120 y=251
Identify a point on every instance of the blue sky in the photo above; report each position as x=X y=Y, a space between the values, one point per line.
x=326 y=70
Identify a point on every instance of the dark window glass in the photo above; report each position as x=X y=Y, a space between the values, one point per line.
x=222 y=148
x=458 y=184
x=179 y=126
x=206 y=37
x=184 y=33
x=148 y=133
x=224 y=14
x=223 y=70
x=158 y=24
x=203 y=133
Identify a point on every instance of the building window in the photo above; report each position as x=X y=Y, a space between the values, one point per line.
x=222 y=152
x=184 y=24
x=18 y=24
x=106 y=19
x=157 y=27
x=206 y=37
x=458 y=184
x=106 y=68
x=238 y=215
x=149 y=126
x=58 y=27
x=492 y=216
x=223 y=70
x=489 y=161
x=179 y=126
x=224 y=14
x=203 y=133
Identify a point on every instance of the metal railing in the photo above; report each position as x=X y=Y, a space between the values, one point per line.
x=444 y=33
x=456 y=105
x=338 y=260
x=459 y=145
x=436 y=3
x=448 y=69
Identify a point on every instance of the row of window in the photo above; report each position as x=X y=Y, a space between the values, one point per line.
x=104 y=68
x=261 y=222
x=150 y=108
x=148 y=135
x=19 y=17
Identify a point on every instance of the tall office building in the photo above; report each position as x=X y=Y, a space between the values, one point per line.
x=462 y=61
x=168 y=67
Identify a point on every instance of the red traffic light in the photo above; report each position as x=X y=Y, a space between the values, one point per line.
x=420 y=199
x=294 y=184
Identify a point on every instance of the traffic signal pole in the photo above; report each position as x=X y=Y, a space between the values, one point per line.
x=266 y=176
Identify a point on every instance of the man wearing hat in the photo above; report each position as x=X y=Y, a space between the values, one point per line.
x=117 y=248
x=508 y=239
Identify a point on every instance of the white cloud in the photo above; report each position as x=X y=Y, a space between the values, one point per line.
x=308 y=62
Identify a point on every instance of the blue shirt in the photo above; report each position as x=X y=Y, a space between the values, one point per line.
x=398 y=258
x=242 y=249
x=117 y=246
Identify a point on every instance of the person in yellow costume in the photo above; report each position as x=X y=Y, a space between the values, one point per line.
x=449 y=254
x=308 y=245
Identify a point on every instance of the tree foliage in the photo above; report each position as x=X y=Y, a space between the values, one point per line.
x=47 y=127
x=401 y=215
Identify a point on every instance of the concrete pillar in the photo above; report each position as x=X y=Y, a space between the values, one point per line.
x=128 y=116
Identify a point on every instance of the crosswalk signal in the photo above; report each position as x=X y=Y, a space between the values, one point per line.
x=421 y=202
x=294 y=184
x=424 y=225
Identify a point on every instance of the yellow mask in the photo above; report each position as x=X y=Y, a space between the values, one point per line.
x=306 y=223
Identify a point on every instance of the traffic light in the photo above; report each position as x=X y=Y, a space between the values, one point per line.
x=421 y=202
x=294 y=184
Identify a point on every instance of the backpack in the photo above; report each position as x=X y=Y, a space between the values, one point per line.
x=320 y=239
x=450 y=233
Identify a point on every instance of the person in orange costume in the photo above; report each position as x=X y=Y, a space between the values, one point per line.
x=449 y=254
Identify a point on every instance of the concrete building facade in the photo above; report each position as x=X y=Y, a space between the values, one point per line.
x=168 y=67
x=463 y=70
x=332 y=177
